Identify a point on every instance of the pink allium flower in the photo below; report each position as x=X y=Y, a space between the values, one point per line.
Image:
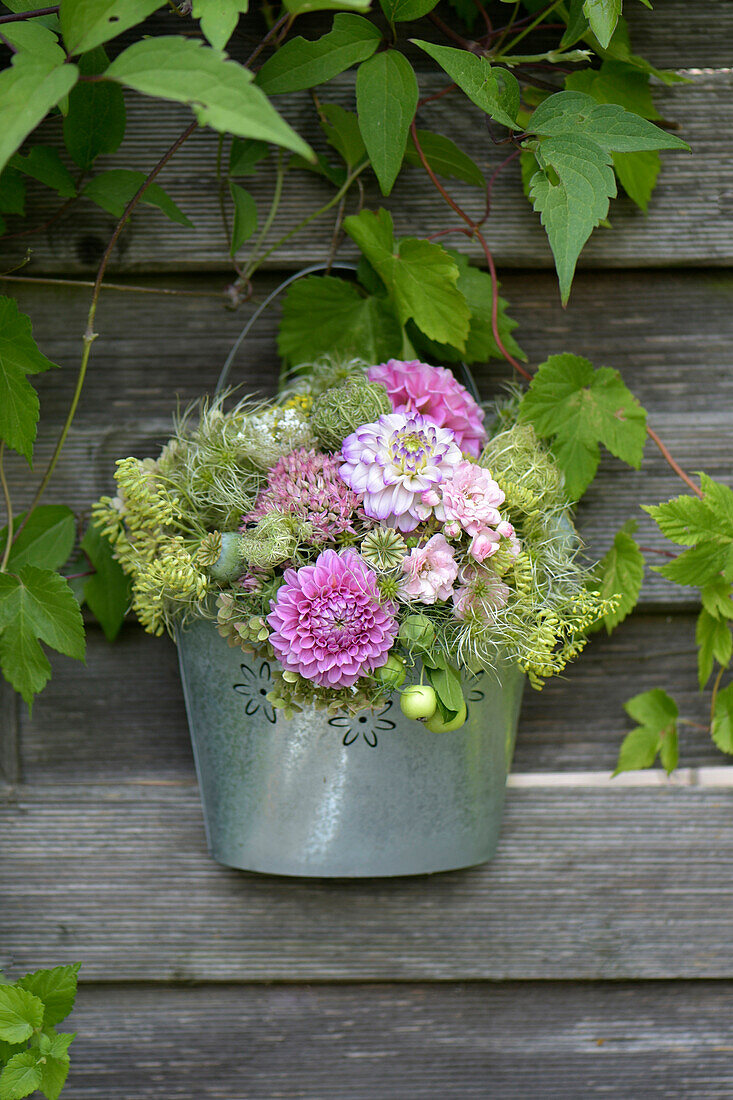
x=393 y=462
x=470 y=497
x=308 y=484
x=480 y=592
x=433 y=391
x=329 y=621
x=429 y=571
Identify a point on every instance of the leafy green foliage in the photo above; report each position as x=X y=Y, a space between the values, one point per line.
x=95 y=123
x=300 y=7
x=300 y=63
x=88 y=23
x=244 y=156
x=56 y=988
x=19 y=356
x=722 y=725
x=603 y=15
x=621 y=573
x=33 y=1055
x=45 y=165
x=32 y=38
x=656 y=733
x=21 y=1013
x=386 y=100
x=402 y=11
x=494 y=90
x=114 y=189
x=45 y=541
x=245 y=216
x=706 y=526
x=36 y=605
x=578 y=407
x=343 y=134
x=445 y=158
x=107 y=591
x=420 y=277
x=28 y=90
x=715 y=643
x=219 y=18
x=220 y=91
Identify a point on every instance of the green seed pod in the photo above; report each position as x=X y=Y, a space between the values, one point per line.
x=339 y=412
x=417 y=632
x=229 y=565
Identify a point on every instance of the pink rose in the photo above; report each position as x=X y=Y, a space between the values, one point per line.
x=429 y=571
x=484 y=543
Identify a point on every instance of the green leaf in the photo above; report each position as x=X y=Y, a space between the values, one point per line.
x=88 y=23
x=495 y=90
x=20 y=1011
x=245 y=217
x=219 y=18
x=45 y=165
x=607 y=125
x=447 y=683
x=21 y=1076
x=420 y=277
x=36 y=604
x=12 y=192
x=386 y=101
x=637 y=173
x=107 y=592
x=95 y=123
x=54 y=1072
x=31 y=37
x=19 y=356
x=343 y=134
x=716 y=598
x=244 y=156
x=301 y=7
x=28 y=90
x=715 y=642
x=657 y=716
x=619 y=49
x=402 y=11
x=722 y=727
x=621 y=572
x=445 y=158
x=7 y=1050
x=603 y=15
x=638 y=750
x=324 y=315
x=114 y=189
x=302 y=64
x=689 y=520
x=45 y=541
x=578 y=408
x=220 y=91
x=56 y=988
x=700 y=565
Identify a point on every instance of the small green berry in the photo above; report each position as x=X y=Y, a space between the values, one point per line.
x=392 y=673
x=437 y=725
x=419 y=701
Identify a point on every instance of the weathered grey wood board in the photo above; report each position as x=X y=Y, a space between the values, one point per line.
x=588 y=883
x=470 y=1041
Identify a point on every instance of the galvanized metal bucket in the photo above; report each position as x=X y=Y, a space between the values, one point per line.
x=342 y=797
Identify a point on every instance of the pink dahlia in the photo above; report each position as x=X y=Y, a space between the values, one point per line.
x=470 y=497
x=480 y=592
x=308 y=484
x=433 y=391
x=329 y=621
x=393 y=462
x=429 y=571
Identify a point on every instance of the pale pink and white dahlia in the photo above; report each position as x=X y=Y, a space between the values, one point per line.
x=393 y=462
x=329 y=622
x=430 y=571
x=470 y=497
x=433 y=391
x=480 y=592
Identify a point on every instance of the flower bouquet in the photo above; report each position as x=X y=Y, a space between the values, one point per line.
x=385 y=569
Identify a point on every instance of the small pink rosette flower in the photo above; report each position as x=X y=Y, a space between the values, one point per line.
x=469 y=497
x=479 y=592
x=430 y=571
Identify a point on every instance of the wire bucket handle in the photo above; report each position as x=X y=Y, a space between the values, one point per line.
x=313 y=269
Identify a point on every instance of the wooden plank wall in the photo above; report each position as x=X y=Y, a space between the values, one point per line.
x=593 y=957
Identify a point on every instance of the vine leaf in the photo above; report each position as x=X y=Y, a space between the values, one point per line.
x=21 y=1013
x=578 y=407
x=36 y=604
x=22 y=1075
x=706 y=527
x=113 y=190
x=445 y=158
x=715 y=643
x=386 y=101
x=19 y=356
x=603 y=15
x=495 y=90
x=45 y=165
x=621 y=573
x=107 y=592
x=218 y=18
x=245 y=217
x=95 y=122
x=323 y=314
x=343 y=134
x=220 y=91
x=31 y=38
x=420 y=277
x=56 y=987
x=302 y=64
x=244 y=156
x=54 y=1071
x=45 y=541
x=88 y=23
x=656 y=732
x=29 y=88
x=722 y=726
x=300 y=7
x=402 y=11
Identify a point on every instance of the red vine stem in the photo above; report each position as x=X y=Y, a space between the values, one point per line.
x=17 y=17
x=675 y=465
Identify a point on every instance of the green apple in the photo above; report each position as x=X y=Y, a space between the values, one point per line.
x=419 y=701
x=437 y=725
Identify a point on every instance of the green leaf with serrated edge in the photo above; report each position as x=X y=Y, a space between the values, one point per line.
x=578 y=407
x=19 y=356
x=669 y=750
x=31 y=37
x=603 y=15
x=21 y=1013
x=56 y=987
x=608 y=125
x=722 y=726
x=716 y=598
x=7 y=1050
x=494 y=90
x=220 y=91
x=386 y=100
x=699 y=565
x=36 y=604
x=715 y=643
x=688 y=520
x=88 y=23
x=445 y=158
x=654 y=709
x=301 y=7
x=402 y=11
x=300 y=63
x=218 y=19
x=45 y=541
x=420 y=277
x=639 y=749
x=621 y=573
x=657 y=716
x=343 y=134
x=324 y=315
x=21 y=1076
x=95 y=123
x=54 y=1072
x=245 y=217
x=113 y=190
x=720 y=498
x=244 y=156
x=28 y=90
x=45 y=165
x=475 y=285
x=12 y=192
